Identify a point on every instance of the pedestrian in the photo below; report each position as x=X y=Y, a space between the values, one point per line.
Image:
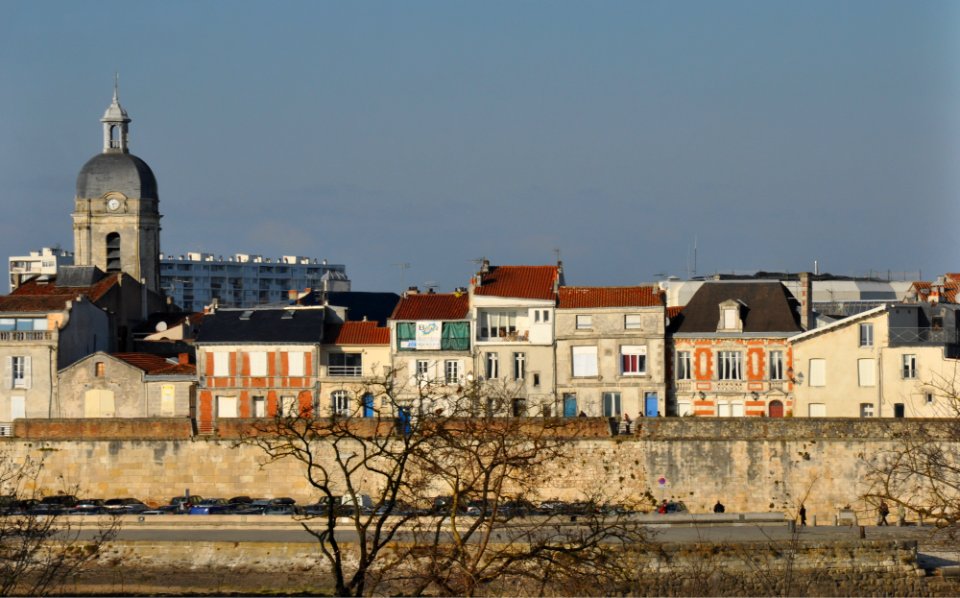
x=662 y=509
x=883 y=510
x=803 y=515
x=719 y=508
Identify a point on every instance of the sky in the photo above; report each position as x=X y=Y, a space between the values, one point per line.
x=406 y=140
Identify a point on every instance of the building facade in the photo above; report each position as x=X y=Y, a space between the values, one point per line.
x=39 y=263
x=195 y=280
x=610 y=351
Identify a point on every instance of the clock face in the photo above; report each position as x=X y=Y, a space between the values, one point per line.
x=113 y=205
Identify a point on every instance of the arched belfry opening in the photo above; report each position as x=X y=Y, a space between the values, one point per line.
x=113 y=252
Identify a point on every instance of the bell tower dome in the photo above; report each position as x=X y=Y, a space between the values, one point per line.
x=116 y=218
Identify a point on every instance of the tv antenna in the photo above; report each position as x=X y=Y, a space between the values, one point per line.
x=404 y=266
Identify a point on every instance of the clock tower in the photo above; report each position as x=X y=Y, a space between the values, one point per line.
x=116 y=217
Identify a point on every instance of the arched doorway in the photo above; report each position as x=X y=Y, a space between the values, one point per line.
x=776 y=409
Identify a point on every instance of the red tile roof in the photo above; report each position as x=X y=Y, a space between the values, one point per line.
x=673 y=312
x=580 y=297
x=451 y=306
x=357 y=333
x=949 y=295
x=525 y=282
x=154 y=364
x=34 y=296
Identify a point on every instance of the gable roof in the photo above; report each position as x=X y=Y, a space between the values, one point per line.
x=524 y=282
x=357 y=333
x=581 y=297
x=154 y=364
x=767 y=307
x=432 y=306
x=273 y=325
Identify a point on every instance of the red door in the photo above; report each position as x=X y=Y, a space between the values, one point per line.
x=776 y=409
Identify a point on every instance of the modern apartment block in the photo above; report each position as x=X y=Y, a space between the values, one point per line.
x=194 y=280
x=39 y=263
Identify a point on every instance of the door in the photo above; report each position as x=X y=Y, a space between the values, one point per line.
x=403 y=419
x=898 y=410
x=651 y=405
x=368 y=405
x=98 y=403
x=776 y=409
x=569 y=405
x=723 y=410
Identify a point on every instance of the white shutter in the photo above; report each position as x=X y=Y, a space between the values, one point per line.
x=258 y=363
x=817 y=410
x=8 y=373
x=295 y=363
x=18 y=407
x=460 y=371
x=818 y=372
x=585 y=361
x=27 y=372
x=867 y=372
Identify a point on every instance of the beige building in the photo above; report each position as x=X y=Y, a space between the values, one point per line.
x=512 y=309
x=610 y=351
x=355 y=359
x=890 y=361
x=127 y=385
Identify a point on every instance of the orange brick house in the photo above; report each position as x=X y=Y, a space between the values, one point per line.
x=258 y=362
x=730 y=352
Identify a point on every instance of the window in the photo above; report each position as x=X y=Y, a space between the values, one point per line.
x=451 y=371
x=611 y=404
x=866 y=372
x=536 y=380
x=99 y=369
x=226 y=407
x=113 y=252
x=898 y=410
x=493 y=366
x=259 y=407
x=684 y=371
x=340 y=403
x=776 y=365
x=499 y=324
x=633 y=360
x=584 y=322
x=221 y=363
x=730 y=365
x=631 y=321
x=909 y=367
x=518 y=407
x=519 y=366
x=454 y=336
x=929 y=398
x=866 y=409
x=422 y=370
x=866 y=335
x=817 y=410
x=541 y=315
x=729 y=409
x=684 y=408
x=295 y=363
x=289 y=407
x=731 y=318
x=818 y=372
x=258 y=363
x=167 y=400
x=584 y=361
x=18 y=371
x=345 y=364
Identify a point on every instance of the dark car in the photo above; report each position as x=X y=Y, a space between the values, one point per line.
x=57 y=504
x=125 y=506
x=89 y=506
x=182 y=504
x=211 y=506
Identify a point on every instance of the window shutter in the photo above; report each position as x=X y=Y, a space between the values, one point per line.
x=460 y=371
x=8 y=374
x=27 y=371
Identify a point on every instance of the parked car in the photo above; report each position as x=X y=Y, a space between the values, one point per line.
x=125 y=506
x=670 y=507
x=182 y=504
x=58 y=504
x=211 y=506
x=89 y=506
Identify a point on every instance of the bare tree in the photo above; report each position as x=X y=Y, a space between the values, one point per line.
x=39 y=552
x=430 y=441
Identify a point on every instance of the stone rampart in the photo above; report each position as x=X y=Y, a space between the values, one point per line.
x=750 y=465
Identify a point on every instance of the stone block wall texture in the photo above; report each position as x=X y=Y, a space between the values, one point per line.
x=752 y=465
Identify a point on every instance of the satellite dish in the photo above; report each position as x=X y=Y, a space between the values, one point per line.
x=161 y=326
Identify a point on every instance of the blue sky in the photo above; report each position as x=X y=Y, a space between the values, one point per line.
x=435 y=133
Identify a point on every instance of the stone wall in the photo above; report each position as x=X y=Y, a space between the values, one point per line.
x=751 y=465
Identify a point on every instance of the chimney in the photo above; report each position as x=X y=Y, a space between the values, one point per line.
x=183 y=359
x=806 y=301
x=412 y=291
x=484 y=266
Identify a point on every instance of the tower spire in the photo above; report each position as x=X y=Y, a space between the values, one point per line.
x=115 y=122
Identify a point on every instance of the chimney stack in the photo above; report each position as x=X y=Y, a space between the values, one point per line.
x=806 y=301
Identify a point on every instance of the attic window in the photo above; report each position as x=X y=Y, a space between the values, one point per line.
x=246 y=314
x=730 y=317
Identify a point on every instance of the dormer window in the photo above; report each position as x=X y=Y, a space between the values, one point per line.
x=730 y=320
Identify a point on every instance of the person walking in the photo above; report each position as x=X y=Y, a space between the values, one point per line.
x=719 y=508
x=883 y=510
x=803 y=515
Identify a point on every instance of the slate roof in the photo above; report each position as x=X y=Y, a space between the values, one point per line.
x=583 y=297
x=432 y=306
x=37 y=296
x=155 y=365
x=263 y=326
x=171 y=319
x=524 y=282
x=357 y=333
x=768 y=307
x=121 y=172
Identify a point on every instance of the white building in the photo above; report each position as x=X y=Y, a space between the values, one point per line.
x=39 y=263
x=193 y=280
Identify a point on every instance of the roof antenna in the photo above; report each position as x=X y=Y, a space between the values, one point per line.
x=116 y=86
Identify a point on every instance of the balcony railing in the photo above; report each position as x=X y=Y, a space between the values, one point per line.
x=26 y=335
x=507 y=337
x=922 y=336
x=344 y=371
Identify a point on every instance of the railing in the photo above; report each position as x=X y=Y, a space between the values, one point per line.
x=345 y=371
x=511 y=337
x=26 y=335
x=922 y=336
